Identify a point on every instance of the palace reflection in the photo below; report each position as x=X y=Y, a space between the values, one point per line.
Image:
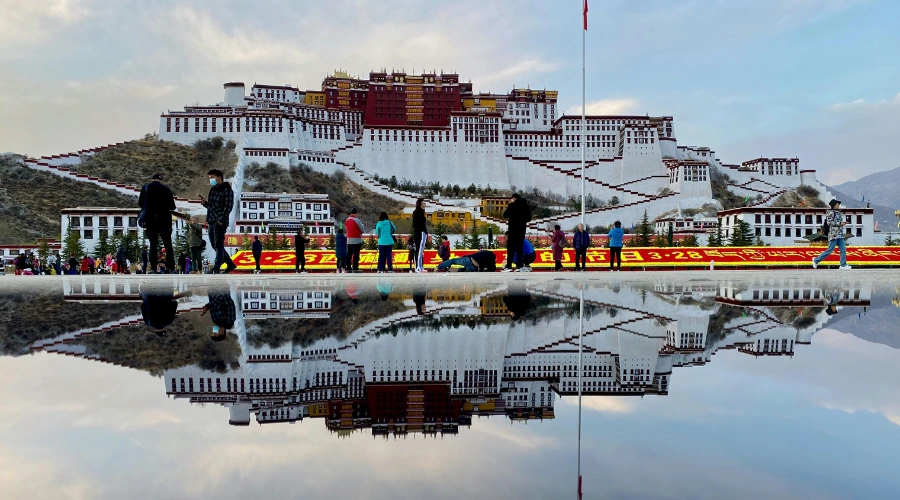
x=400 y=357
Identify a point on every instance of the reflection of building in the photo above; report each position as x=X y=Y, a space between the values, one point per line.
x=258 y=302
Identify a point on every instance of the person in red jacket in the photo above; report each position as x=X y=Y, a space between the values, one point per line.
x=354 y=229
x=444 y=249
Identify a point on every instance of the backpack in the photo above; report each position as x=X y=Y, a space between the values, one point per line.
x=825 y=226
x=443 y=252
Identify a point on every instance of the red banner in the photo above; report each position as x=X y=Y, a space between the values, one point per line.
x=671 y=257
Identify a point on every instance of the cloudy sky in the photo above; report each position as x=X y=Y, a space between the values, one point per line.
x=819 y=79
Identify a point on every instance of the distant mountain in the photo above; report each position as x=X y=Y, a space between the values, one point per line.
x=884 y=215
x=878 y=324
x=882 y=188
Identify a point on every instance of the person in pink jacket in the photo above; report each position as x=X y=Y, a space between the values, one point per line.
x=558 y=242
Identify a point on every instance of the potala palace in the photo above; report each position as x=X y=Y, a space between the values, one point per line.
x=432 y=127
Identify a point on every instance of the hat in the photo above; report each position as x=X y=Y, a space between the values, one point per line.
x=834 y=202
x=157 y=177
x=353 y=210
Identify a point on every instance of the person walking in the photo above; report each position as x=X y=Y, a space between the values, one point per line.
x=581 y=241
x=444 y=249
x=615 y=246
x=121 y=257
x=73 y=265
x=518 y=215
x=157 y=204
x=218 y=212
x=833 y=228
x=195 y=242
x=340 y=251
x=558 y=242
x=85 y=265
x=300 y=241
x=384 y=231
x=355 y=230
x=420 y=233
x=256 y=248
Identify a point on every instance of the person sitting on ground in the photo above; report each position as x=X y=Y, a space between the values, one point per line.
x=480 y=261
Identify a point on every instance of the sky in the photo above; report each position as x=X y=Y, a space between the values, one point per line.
x=817 y=79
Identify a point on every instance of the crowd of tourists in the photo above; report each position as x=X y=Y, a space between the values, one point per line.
x=158 y=206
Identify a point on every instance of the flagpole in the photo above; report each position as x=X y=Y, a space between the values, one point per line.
x=583 y=111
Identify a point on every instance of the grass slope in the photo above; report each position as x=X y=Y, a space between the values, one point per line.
x=30 y=201
x=343 y=193
x=184 y=167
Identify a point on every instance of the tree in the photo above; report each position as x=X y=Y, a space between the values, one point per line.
x=271 y=240
x=472 y=241
x=180 y=245
x=689 y=241
x=614 y=201
x=371 y=243
x=644 y=232
x=891 y=242
x=471 y=189
x=103 y=247
x=72 y=245
x=330 y=244
x=715 y=238
x=439 y=230
x=43 y=250
x=742 y=236
x=285 y=242
x=247 y=242
x=660 y=241
x=759 y=242
x=132 y=246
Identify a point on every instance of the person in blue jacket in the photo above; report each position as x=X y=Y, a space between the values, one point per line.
x=340 y=252
x=530 y=257
x=615 y=246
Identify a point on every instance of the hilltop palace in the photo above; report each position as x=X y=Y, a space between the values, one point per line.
x=432 y=127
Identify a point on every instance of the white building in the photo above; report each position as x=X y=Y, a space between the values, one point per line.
x=92 y=222
x=285 y=212
x=684 y=226
x=787 y=226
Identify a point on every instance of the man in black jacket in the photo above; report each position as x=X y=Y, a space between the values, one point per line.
x=300 y=241
x=158 y=203
x=518 y=215
x=218 y=212
x=222 y=311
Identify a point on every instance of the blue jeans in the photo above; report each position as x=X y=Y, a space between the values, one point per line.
x=839 y=242
x=385 y=257
x=466 y=262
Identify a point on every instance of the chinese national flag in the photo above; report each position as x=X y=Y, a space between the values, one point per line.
x=585 y=14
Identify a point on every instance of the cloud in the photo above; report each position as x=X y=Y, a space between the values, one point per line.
x=862 y=103
x=606 y=107
x=603 y=404
x=28 y=22
x=37 y=479
x=528 y=68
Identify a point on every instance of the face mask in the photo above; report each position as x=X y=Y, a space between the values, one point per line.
x=215 y=330
x=212 y=182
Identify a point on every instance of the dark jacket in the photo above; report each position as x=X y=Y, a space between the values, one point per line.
x=486 y=260
x=419 y=222
x=581 y=240
x=256 y=247
x=120 y=254
x=157 y=200
x=518 y=215
x=340 y=246
x=158 y=309
x=300 y=240
x=194 y=235
x=219 y=204
x=221 y=309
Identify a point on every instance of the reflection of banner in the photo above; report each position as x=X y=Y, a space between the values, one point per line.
x=671 y=257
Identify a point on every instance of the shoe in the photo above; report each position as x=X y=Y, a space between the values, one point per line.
x=526 y=269
x=815 y=264
x=229 y=269
x=507 y=270
x=846 y=268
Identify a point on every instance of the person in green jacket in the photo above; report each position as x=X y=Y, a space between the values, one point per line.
x=195 y=242
x=384 y=231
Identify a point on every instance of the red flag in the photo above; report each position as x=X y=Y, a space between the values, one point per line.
x=585 y=14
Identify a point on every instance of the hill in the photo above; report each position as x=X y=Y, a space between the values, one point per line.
x=884 y=215
x=343 y=193
x=882 y=188
x=184 y=167
x=30 y=201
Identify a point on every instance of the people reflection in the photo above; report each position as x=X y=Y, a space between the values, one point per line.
x=419 y=300
x=159 y=307
x=222 y=311
x=517 y=300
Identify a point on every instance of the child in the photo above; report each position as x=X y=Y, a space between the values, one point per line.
x=444 y=249
x=411 y=247
x=340 y=252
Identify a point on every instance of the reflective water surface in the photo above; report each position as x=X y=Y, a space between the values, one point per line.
x=768 y=385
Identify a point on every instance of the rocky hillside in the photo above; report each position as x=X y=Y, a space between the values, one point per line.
x=185 y=167
x=30 y=201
